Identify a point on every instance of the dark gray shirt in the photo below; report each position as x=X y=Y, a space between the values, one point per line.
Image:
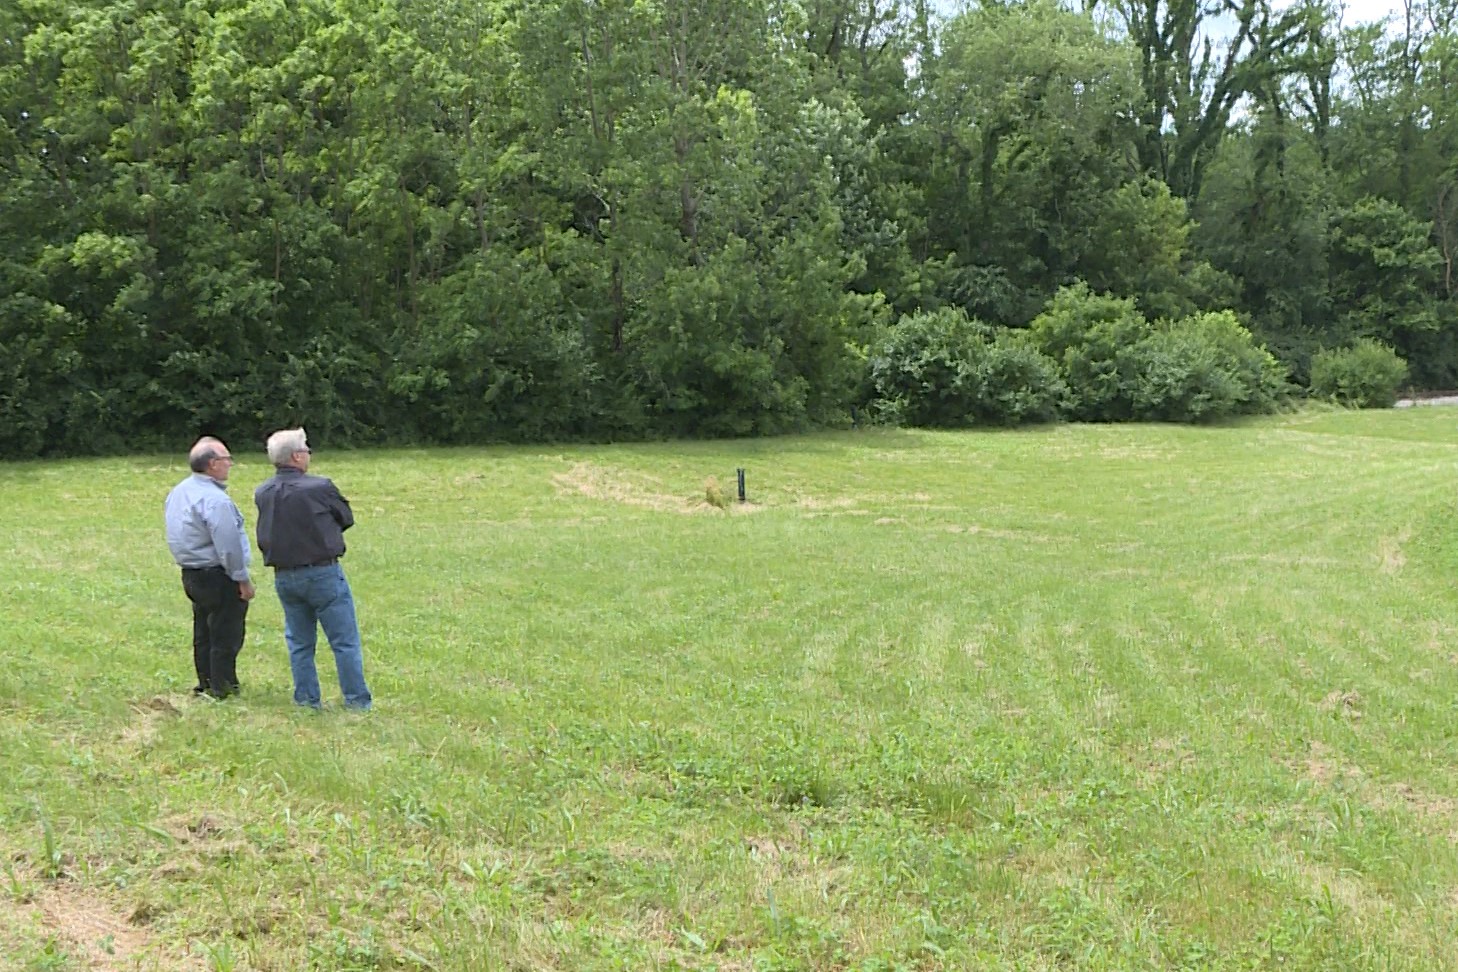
x=301 y=519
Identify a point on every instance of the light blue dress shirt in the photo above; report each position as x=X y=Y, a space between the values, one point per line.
x=205 y=528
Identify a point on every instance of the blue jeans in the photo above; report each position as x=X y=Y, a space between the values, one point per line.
x=314 y=597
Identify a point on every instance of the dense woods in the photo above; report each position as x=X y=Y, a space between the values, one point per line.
x=446 y=221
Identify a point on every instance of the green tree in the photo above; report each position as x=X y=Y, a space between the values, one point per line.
x=1193 y=76
x=1032 y=108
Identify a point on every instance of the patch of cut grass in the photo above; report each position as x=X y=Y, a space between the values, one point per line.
x=1121 y=698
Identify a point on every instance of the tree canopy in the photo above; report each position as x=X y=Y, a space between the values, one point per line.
x=442 y=221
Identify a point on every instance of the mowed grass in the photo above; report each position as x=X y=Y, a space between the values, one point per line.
x=1074 y=698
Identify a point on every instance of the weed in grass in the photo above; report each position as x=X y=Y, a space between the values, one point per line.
x=17 y=888
x=714 y=494
x=221 y=957
x=53 y=861
x=50 y=957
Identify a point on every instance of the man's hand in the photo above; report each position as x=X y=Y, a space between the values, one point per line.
x=245 y=590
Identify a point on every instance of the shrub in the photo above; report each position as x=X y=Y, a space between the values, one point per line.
x=942 y=368
x=1366 y=374
x=1083 y=332
x=1174 y=376
x=1120 y=367
x=1020 y=383
x=1199 y=368
x=1260 y=377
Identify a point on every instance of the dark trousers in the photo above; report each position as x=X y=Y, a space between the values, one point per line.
x=218 y=621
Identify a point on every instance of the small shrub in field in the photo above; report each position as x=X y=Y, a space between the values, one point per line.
x=1120 y=367
x=925 y=371
x=714 y=494
x=942 y=368
x=1172 y=376
x=1366 y=374
x=1262 y=379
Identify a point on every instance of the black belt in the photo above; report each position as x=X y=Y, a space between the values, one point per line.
x=318 y=563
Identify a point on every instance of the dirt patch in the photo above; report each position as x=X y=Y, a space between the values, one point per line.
x=1390 y=557
x=97 y=930
x=92 y=931
x=1348 y=704
x=767 y=848
x=1324 y=766
x=1423 y=804
x=151 y=714
x=635 y=489
x=815 y=503
x=997 y=534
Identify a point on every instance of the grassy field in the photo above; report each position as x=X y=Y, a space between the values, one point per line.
x=1074 y=698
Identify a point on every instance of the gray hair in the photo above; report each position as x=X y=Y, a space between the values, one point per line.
x=284 y=443
x=203 y=451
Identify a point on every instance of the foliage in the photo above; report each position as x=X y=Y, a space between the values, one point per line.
x=1264 y=220
x=480 y=365
x=945 y=369
x=1085 y=334
x=1364 y=374
x=1138 y=249
x=1384 y=272
x=1200 y=368
x=442 y=221
x=1029 y=105
x=1120 y=367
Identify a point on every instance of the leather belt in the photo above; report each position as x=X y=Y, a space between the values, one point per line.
x=317 y=563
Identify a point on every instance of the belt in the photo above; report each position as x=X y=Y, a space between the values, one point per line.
x=318 y=563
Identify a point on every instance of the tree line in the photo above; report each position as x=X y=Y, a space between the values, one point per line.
x=446 y=221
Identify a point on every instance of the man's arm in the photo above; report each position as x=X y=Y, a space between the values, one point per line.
x=230 y=539
x=263 y=500
x=339 y=508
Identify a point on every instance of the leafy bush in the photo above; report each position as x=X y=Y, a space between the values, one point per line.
x=1199 y=368
x=1365 y=374
x=1083 y=332
x=35 y=370
x=1020 y=383
x=484 y=365
x=942 y=368
x=1261 y=377
x=1173 y=376
x=1120 y=367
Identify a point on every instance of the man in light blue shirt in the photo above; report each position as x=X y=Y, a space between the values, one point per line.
x=207 y=538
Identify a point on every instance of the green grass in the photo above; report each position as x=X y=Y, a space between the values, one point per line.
x=1082 y=697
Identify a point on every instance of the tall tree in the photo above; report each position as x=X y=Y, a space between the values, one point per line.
x=1198 y=59
x=1032 y=109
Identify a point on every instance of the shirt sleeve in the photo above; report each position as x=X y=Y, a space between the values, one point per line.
x=230 y=538
x=339 y=508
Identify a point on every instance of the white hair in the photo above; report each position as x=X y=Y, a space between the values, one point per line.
x=284 y=443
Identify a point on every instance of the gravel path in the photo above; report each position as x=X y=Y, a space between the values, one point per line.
x=1436 y=400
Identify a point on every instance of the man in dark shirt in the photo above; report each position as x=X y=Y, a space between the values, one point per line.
x=301 y=524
